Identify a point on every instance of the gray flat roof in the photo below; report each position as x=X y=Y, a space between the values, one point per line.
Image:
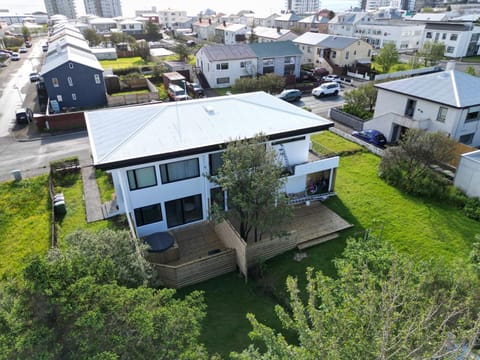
x=452 y=87
x=228 y=52
x=326 y=40
x=276 y=48
x=134 y=135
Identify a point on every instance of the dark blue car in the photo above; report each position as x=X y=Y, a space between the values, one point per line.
x=371 y=136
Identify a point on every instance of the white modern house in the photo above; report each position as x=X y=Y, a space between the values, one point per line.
x=158 y=154
x=467 y=176
x=447 y=101
x=460 y=39
x=230 y=34
x=223 y=64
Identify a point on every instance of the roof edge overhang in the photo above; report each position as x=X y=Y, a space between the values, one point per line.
x=203 y=149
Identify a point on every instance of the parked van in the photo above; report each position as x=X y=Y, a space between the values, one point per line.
x=177 y=93
x=45 y=47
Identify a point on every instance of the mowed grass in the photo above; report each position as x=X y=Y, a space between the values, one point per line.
x=123 y=63
x=75 y=218
x=421 y=228
x=327 y=140
x=24 y=219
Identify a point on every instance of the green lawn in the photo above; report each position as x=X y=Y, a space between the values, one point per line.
x=122 y=63
x=424 y=229
x=24 y=219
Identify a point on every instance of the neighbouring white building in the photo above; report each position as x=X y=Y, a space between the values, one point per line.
x=158 y=154
x=230 y=34
x=467 y=175
x=460 y=38
x=223 y=64
x=302 y=6
x=447 y=101
x=168 y=17
x=269 y=34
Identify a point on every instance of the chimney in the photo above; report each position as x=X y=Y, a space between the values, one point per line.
x=450 y=65
x=224 y=24
x=200 y=19
x=209 y=21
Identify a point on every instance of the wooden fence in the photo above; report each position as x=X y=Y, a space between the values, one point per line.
x=232 y=239
x=196 y=271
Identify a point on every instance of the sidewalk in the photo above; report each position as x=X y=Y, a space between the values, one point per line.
x=91 y=195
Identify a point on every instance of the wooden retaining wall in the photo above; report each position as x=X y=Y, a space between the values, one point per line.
x=197 y=271
x=231 y=239
x=268 y=249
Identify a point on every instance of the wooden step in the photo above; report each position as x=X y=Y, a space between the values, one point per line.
x=319 y=240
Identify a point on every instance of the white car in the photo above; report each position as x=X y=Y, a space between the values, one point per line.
x=330 y=88
x=15 y=56
x=332 y=77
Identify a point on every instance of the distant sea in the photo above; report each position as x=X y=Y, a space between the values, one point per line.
x=192 y=6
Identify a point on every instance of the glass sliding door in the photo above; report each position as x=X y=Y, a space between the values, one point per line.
x=184 y=210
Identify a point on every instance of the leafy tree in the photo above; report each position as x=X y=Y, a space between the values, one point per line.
x=271 y=83
x=92 y=37
x=409 y=165
x=253 y=177
x=107 y=255
x=382 y=305
x=120 y=37
x=152 y=31
x=71 y=306
x=182 y=51
x=331 y=14
x=431 y=52
x=470 y=70
x=387 y=57
x=26 y=33
x=142 y=50
x=360 y=102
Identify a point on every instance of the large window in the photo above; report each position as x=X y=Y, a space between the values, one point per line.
x=183 y=211
x=466 y=139
x=410 y=109
x=472 y=116
x=215 y=162
x=142 y=178
x=222 y=66
x=179 y=170
x=148 y=214
x=442 y=114
x=223 y=80
x=453 y=37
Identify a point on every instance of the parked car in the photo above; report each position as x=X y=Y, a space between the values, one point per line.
x=195 y=89
x=34 y=77
x=23 y=116
x=176 y=93
x=333 y=77
x=290 y=95
x=2 y=64
x=330 y=88
x=22 y=50
x=28 y=44
x=45 y=47
x=15 y=56
x=371 y=136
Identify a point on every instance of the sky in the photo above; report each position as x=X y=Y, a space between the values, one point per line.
x=193 y=7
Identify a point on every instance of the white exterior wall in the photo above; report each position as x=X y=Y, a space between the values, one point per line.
x=128 y=200
x=424 y=116
x=230 y=35
x=169 y=16
x=233 y=72
x=467 y=176
x=404 y=37
x=460 y=46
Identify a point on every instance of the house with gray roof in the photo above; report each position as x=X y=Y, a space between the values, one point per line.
x=223 y=64
x=287 y=21
x=324 y=50
x=158 y=154
x=268 y=34
x=314 y=23
x=280 y=57
x=447 y=101
x=72 y=75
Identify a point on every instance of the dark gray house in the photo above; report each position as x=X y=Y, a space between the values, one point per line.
x=280 y=57
x=73 y=76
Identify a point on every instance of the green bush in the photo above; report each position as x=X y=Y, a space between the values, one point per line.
x=472 y=208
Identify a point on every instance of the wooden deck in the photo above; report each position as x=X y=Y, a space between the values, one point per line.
x=195 y=242
x=309 y=226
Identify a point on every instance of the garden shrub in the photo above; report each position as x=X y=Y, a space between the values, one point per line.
x=472 y=208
